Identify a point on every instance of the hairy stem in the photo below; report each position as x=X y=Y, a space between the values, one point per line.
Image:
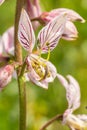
x=57 y=117
x=18 y=58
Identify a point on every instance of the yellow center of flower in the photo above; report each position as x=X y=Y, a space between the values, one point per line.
x=40 y=68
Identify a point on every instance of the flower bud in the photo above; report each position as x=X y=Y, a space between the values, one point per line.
x=5 y=75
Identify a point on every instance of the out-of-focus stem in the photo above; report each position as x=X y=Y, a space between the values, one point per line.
x=18 y=58
x=57 y=117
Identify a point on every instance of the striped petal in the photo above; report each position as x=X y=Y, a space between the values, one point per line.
x=49 y=36
x=25 y=32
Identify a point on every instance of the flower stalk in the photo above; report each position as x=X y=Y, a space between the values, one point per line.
x=55 y=118
x=18 y=58
x=22 y=101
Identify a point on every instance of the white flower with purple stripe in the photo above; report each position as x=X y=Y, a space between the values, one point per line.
x=40 y=71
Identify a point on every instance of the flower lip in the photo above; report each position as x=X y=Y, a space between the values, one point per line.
x=40 y=71
x=39 y=66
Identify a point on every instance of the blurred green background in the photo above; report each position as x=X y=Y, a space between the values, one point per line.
x=68 y=57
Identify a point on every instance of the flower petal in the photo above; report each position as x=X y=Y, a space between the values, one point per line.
x=25 y=32
x=70 y=32
x=34 y=11
x=74 y=122
x=37 y=5
x=8 y=41
x=82 y=117
x=71 y=15
x=40 y=71
x=5 y=75
x=49 y=36
x=63 y=81
x=72 y=91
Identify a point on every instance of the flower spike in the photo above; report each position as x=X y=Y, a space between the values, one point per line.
x=25 y=32
x=49 y=36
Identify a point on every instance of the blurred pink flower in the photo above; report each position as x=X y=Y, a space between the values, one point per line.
x=40 y=71
x=1 y=1
x=78 y=122
x=34 y=10
x=8 y=41
x=5 y=75
x=70 y=32
x=6 y=53
x=7 y=44
x=71 y=15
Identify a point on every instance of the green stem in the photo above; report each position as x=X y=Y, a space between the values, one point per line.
x=57 y=117
x=22 y=101
x=18 y=58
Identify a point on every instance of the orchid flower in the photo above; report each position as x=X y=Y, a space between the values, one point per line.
x=40 y=71
x=1 y=1
x=75 y=122
x=34 y=11
x=70 y=32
